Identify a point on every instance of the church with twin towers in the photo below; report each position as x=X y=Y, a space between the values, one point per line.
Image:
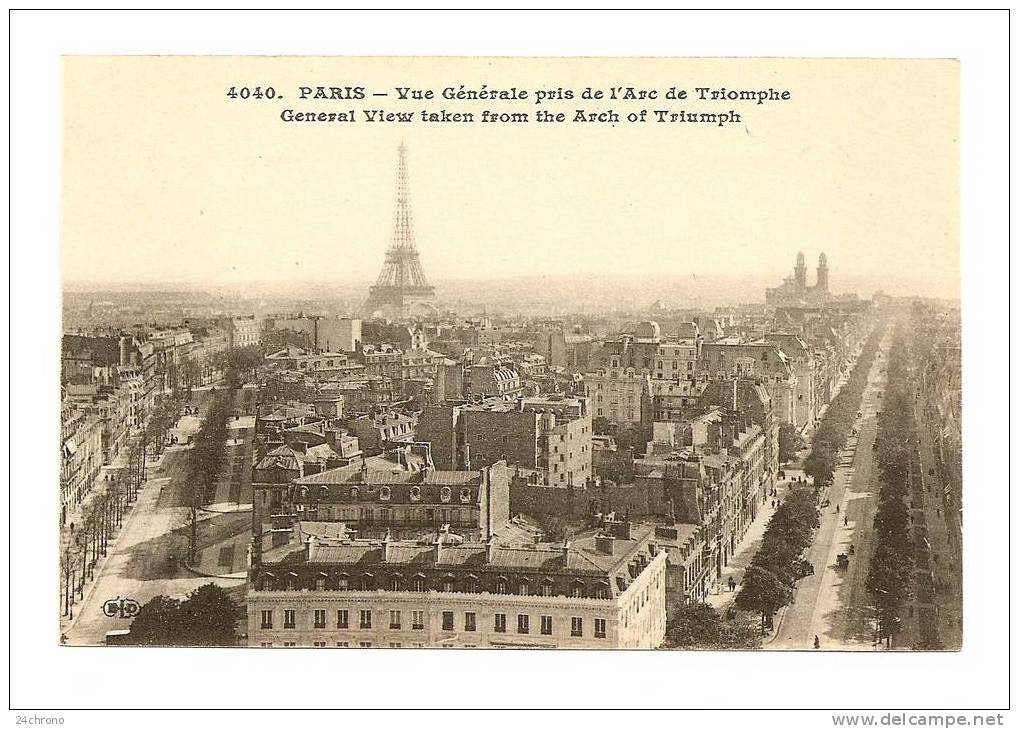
x=794 y=290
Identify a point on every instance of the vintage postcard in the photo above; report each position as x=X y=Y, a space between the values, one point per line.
x=466 y=352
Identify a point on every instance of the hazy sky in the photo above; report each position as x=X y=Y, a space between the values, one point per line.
x=167 y=179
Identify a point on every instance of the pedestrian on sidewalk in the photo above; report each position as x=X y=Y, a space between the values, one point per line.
x=817 y=642
x=732 y=583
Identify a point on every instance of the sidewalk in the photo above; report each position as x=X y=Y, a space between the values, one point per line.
x=144 y=496
x=720 y=597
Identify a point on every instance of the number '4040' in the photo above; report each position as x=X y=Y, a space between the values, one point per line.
x=257 y=92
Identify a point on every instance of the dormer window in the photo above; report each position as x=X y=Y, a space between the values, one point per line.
x=500 y=585
x=445 y=494
x=578 y=589
x=354 y=493
x=418 y=583
x=465 y=496
x=415 y=493
x=385 y=493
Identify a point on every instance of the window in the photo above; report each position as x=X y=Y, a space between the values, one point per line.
x=319 y=644
x=343 y=644
x=342 y=619
x=396 y=645
x=500 y=622
x=342 y=584
x=471 y=585
x=289 y=644
x=418 y=620
x=546 y=625
x=266 y=645
x=366 y=618
x=267 y=618
x=470 y=622
x=415 y=493
x=578 y=590
x=500 y=586
x=394 y=619
x=523 y=623
x=289 y=619
x=599 y=627
x=447 y=584
x=384 y=495
x=320 y=619
x=365 y=644
x=447 y=620
x=445 y=494
x=320 y=583
x=367 y=583
x=418 y=583
x=577 y=627
x=522 y=588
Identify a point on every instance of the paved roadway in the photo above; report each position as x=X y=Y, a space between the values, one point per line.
x=147 y=558
x=831 y=604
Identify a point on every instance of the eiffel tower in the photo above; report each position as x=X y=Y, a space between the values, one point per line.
x=401 y=291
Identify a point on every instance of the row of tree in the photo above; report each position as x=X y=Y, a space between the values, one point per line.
x=889 y=580
x=779 y=563
x=206 y=458
x=832 y=434
x=87 y=539
x=207 y=617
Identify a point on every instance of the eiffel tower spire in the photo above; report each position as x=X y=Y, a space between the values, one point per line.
x=401 y=289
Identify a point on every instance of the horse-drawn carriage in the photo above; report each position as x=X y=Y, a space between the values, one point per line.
x=842 y=562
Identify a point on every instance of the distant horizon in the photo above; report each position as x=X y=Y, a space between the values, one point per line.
x=863 y=286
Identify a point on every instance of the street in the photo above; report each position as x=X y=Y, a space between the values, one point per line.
x=149 y=555
x=832 y=604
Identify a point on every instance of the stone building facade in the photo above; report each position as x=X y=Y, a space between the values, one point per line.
x=605 y=591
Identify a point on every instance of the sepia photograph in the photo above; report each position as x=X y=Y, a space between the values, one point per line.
x=386 y=334
x=575 y=407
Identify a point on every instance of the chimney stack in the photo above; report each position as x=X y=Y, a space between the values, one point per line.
x=308 y=543
x=566 y=552
x=604 y=543
x=387 y=546
x=490 y=549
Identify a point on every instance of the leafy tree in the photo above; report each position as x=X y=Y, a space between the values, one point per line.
x=821 y=463
x=789 y=442
x=694 y=625
x=762 y=592
x=157 y=623
x=209 y=617
x=740 y=633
